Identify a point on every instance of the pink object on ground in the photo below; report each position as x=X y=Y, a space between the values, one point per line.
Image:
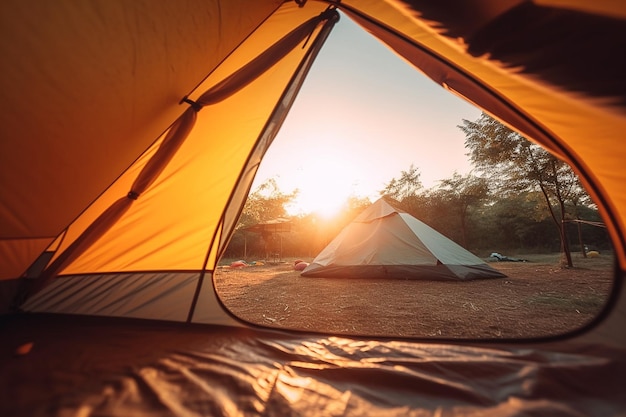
x=300 y=266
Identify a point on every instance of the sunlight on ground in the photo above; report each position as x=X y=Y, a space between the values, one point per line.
x=537 y=299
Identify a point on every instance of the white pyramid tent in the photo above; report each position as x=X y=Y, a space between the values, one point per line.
x=383 y=242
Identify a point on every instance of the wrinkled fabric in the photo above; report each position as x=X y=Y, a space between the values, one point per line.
x=109 y=367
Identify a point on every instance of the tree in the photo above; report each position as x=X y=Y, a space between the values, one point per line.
x=514 y=165
x=405 y=190
x=460 y=193
x=267 y=202
x=434 y=210
x=518 y=222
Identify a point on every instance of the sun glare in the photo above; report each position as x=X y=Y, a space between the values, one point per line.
x=321 y=204
x=349 y=134
x=324 y=186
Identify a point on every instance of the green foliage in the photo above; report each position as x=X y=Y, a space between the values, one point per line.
x=460 y=194
x=267 y=202
x=514 y=165
x=404 y=187
x=516 y=223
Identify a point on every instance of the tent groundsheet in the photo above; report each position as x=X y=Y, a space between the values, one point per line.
x=104 y=366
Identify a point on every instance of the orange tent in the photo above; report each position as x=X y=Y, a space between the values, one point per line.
x=112 y=110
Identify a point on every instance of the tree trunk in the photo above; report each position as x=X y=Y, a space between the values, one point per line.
x=559 y=225
x=564 y=237
x=565 y=246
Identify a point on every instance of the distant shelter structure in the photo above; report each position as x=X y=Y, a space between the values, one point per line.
x=271 y=232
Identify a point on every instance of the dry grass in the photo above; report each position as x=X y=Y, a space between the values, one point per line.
x=537 y=299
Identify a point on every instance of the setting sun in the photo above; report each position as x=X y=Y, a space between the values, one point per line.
x=349 y=133
x=323 y=207
x=324 y=184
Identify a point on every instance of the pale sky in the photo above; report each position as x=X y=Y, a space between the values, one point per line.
x=362 y=116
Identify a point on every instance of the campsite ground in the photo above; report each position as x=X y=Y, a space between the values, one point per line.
x=538 y=298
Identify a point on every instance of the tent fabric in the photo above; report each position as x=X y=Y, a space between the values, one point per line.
x=180 y=209
x=62 y=92
x=174 y=140
x=382 y=242
x=90 y=90
x=103 y=366
x=153 y=111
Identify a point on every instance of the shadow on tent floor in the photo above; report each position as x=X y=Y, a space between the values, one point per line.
x=87 y=365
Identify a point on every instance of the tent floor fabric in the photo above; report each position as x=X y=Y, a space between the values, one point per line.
x=103 y=366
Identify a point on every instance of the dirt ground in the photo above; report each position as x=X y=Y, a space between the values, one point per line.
x=539 y=298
